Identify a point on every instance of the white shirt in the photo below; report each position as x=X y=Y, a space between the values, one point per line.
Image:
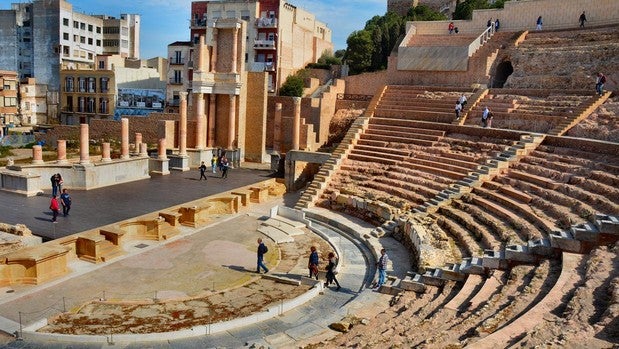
x=485 y=113
x=462 y=99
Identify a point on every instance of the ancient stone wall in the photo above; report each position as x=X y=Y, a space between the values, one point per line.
x=365 y=84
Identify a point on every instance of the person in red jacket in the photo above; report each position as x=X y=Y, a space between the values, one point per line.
x=53 y=205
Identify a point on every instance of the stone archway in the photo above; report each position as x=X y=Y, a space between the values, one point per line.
x=502 y=72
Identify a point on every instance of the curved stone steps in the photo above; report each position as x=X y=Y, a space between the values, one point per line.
x=409 y=130
x=472 y=227
x=540 y=227
x=422 y=174
x=430 y=187
x=498 y=229
x=467 y=246
x=516 y=223
x=473 y=284
x=432 y=168
x=414 y=187
x=524 y=323
x=392 y=139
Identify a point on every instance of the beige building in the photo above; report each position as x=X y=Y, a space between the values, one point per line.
x=33 y=103
x=8 y=98
x=118 y=86
x=280 y=39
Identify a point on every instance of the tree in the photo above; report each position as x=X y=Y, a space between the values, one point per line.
x=464 y=10
x=294 y=84
x=359 y=51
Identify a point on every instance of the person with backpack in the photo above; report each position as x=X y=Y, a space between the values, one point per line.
x=599 y=84
x=203 y=171
x=262 y=250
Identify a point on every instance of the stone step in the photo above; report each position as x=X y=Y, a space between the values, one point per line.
x=275 y=234
x=286 y=228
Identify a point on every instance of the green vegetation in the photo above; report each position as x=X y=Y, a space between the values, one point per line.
x=5 y=151
x=464 y=9
x=294 y=84
x=369 y=49
x=326 y=60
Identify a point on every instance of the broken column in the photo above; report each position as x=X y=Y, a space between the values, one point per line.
x=143 y=149
x=161 y=149
x=37 y=154
x=138 y=141
x=61 y=149
x=160 y=165
x=124 y=142
x=84 y=144
x=105 y=153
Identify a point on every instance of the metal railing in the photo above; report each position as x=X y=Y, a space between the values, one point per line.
x=481 y=40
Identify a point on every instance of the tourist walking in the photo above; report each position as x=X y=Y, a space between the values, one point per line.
x=262 y=250
x=332 y=270
x=582 y=19
x=486 y=114
x=599 y=83
x=214 y=163
x=203 y=171
x=458 y=110
x=382 y=268
x=538 y=23
x=489 y=24
x=65 y=200
x=462 y=100
x=53 y=205
x=451 y=27
x=312 y=264
x=497 y=24
x=225 y=165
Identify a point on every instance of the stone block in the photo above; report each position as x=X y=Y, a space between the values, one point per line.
x=565 y=241
x=585 y=232
x=519 y=253
x=494 y=259
x=607 y=224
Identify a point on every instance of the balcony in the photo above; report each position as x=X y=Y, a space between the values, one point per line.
x=176 y=81
x=264 y=22
x=177 y=61
x=262 y=66
x=264 y=44
x=198 y=23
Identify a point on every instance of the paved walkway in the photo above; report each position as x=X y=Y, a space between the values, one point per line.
x=98 y=207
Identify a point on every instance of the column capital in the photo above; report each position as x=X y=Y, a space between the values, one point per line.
x=199 y=95
x=232 y=97
x=278 y=106
x=296 y=100
x=183 y=95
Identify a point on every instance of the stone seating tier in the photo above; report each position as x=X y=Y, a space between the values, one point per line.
x=393 y=139
x=466 y=243
x=441 y=40
x=407 y=114
x=473 y=228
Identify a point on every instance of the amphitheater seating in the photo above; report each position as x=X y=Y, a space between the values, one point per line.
x=532 y=111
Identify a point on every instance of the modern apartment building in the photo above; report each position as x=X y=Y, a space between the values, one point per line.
x=281 y=39
x=35 y=102
x=42 y=36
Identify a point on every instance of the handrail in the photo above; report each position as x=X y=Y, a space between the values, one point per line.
x=481 y=40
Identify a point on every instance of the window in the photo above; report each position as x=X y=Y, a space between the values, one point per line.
x=98 y=42
x=90 y=28
x=76 y=24
x=101 y=65
x=65 y=36
x=216 y=14
x=75 y=38
x=230 y=14
x=65 y=22
x=82 y=26
x=89 y=41
x=27 y=105
x=103 y=103
x=10 y=101
x=82 y=39
x=98 y=30
x=81 y=103
x=69 y=104
x=90 y=56
x=91 y=85
x=90 y=106
x=124 y=43
x=103 y=84
x=25 y=39
x=68 y=84
x=65 y=50
x=124 y=31
x=81 y=83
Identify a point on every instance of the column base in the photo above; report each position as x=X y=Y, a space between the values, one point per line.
x=159 y=167
x=179 y=162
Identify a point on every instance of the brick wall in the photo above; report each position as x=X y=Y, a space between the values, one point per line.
x=365 y=84
x=256 y=116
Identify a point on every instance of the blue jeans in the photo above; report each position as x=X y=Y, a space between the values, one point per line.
x=382 y=276
x=261 y=265
x=599 y=88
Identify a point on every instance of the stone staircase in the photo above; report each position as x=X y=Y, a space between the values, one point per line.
x=483 y=173
x=592 y=104
x=471 y=104
x=322 y=178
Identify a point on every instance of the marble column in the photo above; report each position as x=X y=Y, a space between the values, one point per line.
x=202 y=55
x=212 y=104
x=37 y=154
x=84 y=144
x=182 y=127
x=124 y=138
x=200 y=121
x=277 y=128
x=235 y=39
x=105 y=154
x=214 y=51
x=61 y=149
x=161 y=150
x=296 y=123
x=232 y=122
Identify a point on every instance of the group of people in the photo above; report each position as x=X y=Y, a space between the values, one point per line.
x=65 y=198
x=216 y=162
x=451 y=28
x=331 y=268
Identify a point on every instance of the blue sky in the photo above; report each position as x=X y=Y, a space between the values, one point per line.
x=166 y=21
